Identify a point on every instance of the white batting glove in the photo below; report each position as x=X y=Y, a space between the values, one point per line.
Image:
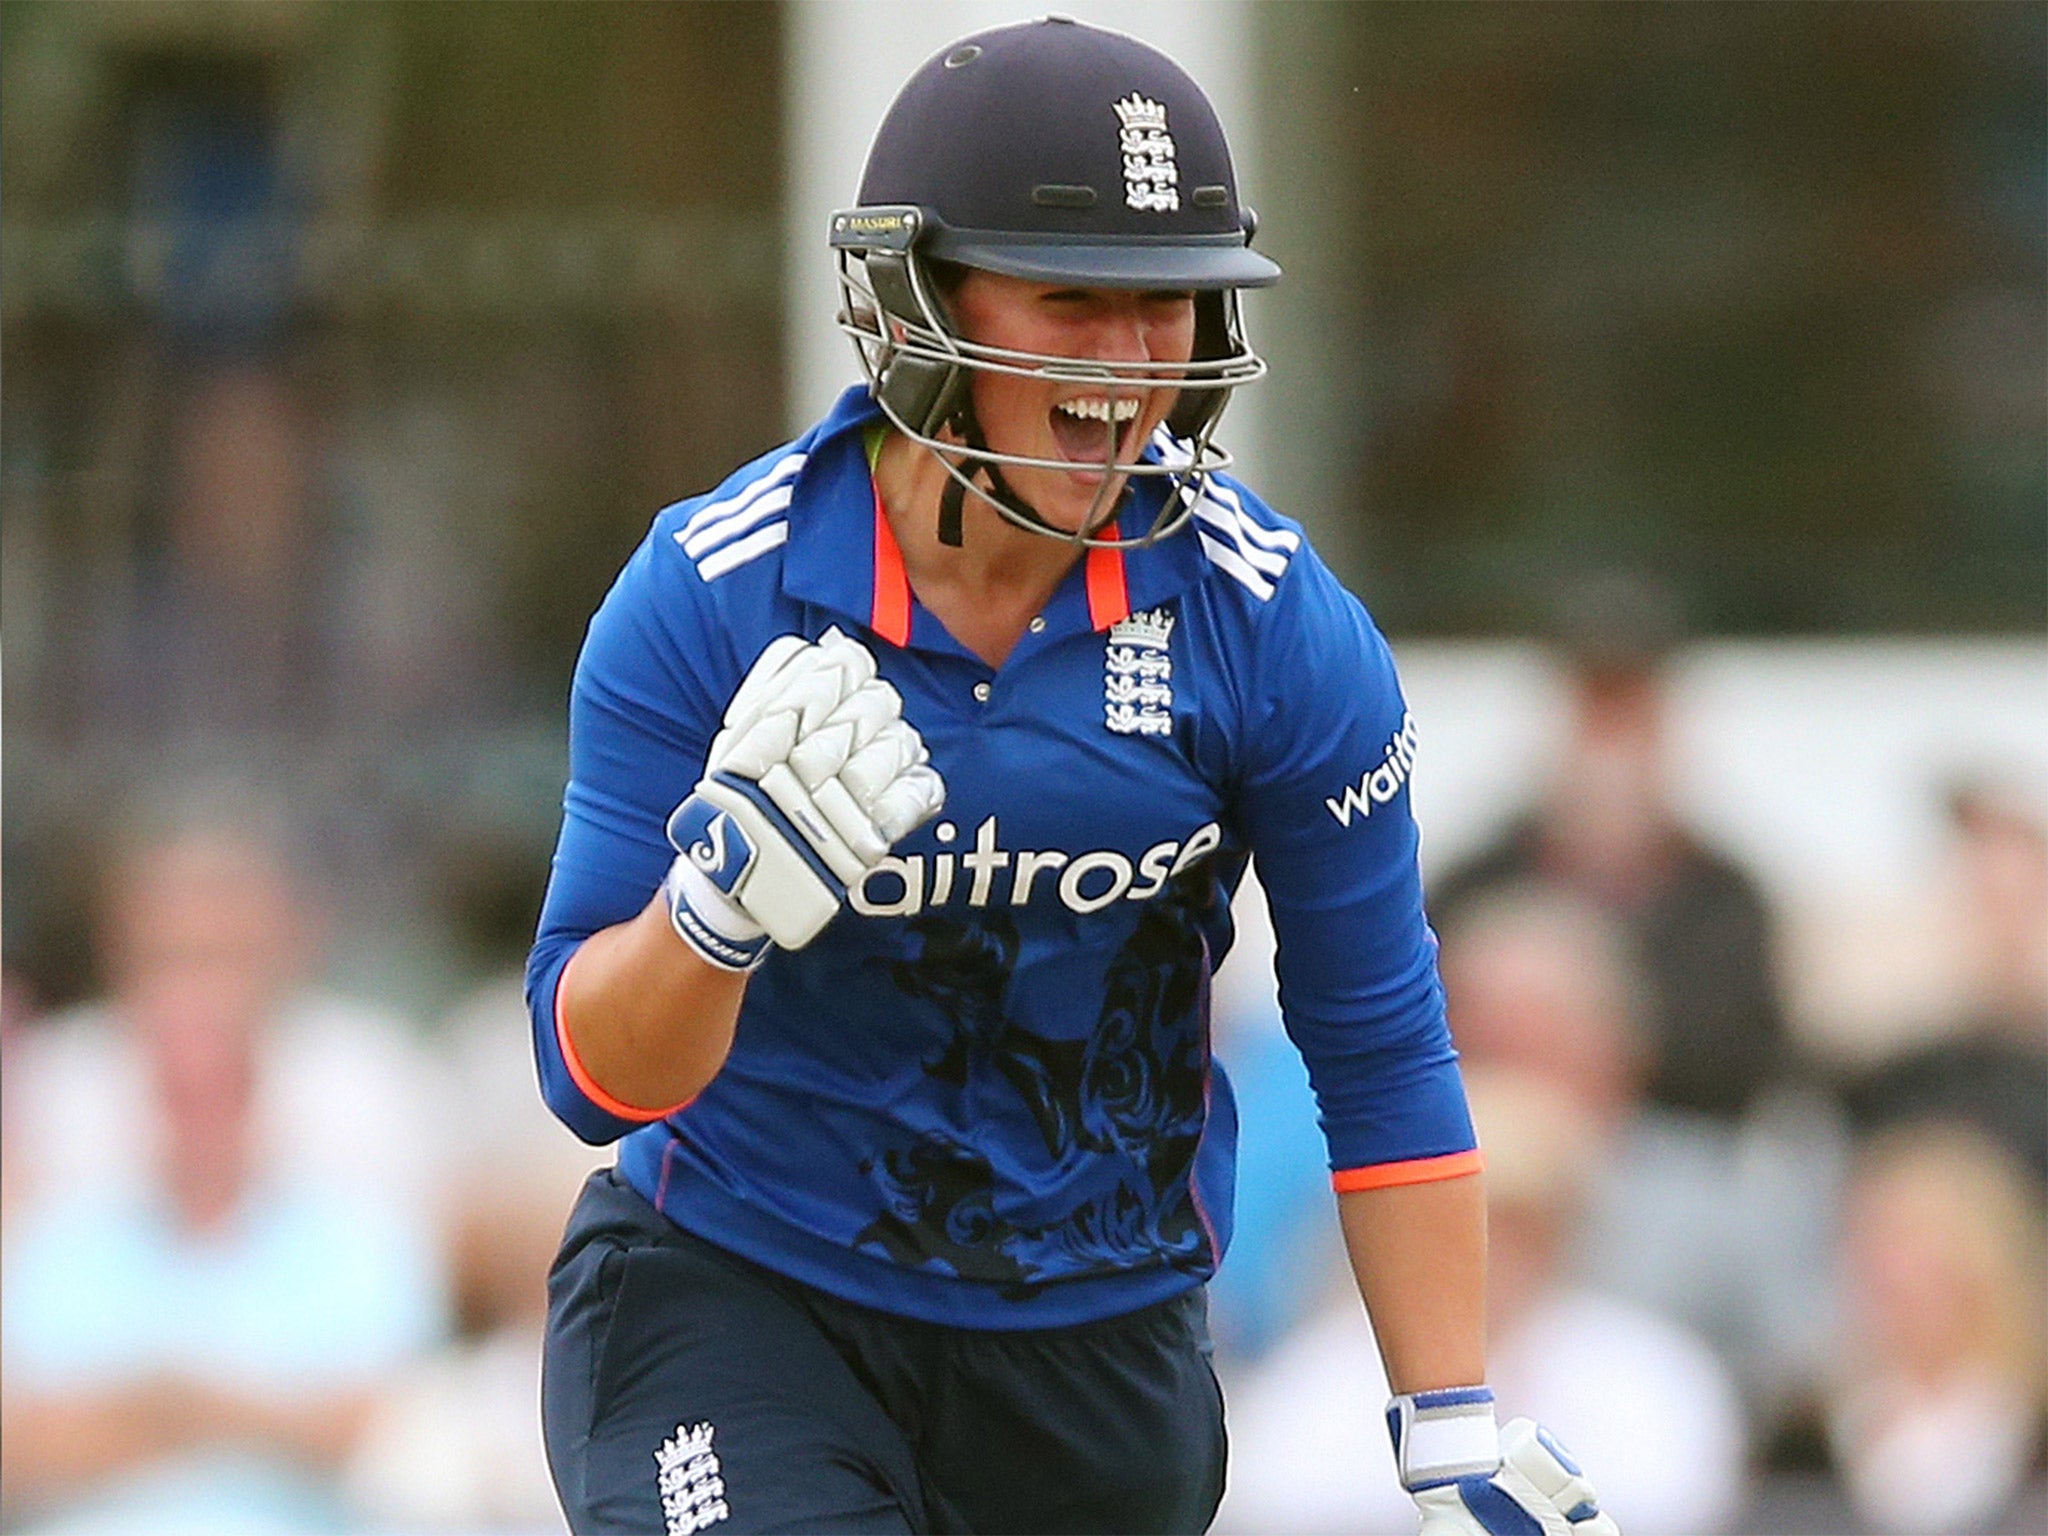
x=1470 y=1479
x=814 y=777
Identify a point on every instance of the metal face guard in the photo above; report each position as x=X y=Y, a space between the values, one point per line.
x=918 y=366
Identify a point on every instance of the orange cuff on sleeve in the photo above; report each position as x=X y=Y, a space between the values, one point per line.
x=588 y=1084
x=1418 y=1170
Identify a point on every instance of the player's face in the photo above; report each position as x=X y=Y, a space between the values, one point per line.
x=1085 y=424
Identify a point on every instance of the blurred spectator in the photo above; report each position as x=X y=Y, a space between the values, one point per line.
x=15 y=1007
x=1987 y=1066
x=208 y=894
x=1539 y=980
x=1936 y=1413
x=236 y=599
x=1641 y=1399
x=224 y=1242
x=1722 y=1229
x=1605 y=828
x=456 y=1445
x=229 y=589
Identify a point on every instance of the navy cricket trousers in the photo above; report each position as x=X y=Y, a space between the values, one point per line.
x=686 y=1389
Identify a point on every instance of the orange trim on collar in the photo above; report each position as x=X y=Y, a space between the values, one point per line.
x=1109 y=600
x=889 y=615
x=1416 y=1170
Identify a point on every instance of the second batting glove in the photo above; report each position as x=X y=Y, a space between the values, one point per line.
x=814 y=777
x=1470 y=1479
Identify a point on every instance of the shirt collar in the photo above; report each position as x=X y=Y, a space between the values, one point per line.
x=843 y=556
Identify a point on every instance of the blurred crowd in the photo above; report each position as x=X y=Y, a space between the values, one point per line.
x=274 y=1258
x=1758 y=1288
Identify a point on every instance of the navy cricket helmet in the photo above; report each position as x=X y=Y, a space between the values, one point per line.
x=1059 y=153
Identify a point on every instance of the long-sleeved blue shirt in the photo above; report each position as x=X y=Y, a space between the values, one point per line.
x=984 y=1096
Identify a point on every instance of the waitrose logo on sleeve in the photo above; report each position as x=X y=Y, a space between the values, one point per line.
x=1376 y=786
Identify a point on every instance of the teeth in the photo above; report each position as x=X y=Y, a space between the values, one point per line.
x=1095 y=408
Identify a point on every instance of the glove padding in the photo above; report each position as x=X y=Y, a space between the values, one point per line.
x=813 y=778
x=1443 y=1443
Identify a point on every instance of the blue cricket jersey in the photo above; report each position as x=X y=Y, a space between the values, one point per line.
x=983 y=1096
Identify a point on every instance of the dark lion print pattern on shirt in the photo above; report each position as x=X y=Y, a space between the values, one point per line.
x=1129 y=1099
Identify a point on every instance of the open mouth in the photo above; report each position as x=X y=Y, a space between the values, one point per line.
x=1091 y=429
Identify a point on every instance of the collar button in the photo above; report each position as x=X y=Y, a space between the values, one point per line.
x=981 y=693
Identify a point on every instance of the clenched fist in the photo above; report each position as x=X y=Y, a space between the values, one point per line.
x=815 y=775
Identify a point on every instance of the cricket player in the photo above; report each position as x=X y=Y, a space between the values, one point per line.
x=912 y=770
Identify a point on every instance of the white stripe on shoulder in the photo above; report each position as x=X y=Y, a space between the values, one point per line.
x=1170 y=448
x=712 y=535
x=1256 y=531
x=1227 y=558
x=782 y=470
x=1255 y=555
x=1215 y=515
x=740 y=551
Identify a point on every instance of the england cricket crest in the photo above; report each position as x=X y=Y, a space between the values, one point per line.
x=1151 y=178
x=1137 y=675
x=691 y=1481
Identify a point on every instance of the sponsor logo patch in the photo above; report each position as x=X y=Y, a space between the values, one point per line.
x=988 y=874
x=1376 y=786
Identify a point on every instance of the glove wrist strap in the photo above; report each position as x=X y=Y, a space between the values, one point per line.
x=710 y=921
x=1443 y=1435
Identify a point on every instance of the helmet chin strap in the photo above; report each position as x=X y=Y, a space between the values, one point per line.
x=953 y=499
